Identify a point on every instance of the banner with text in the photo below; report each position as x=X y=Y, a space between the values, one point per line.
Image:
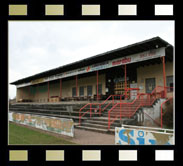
x=151 y=54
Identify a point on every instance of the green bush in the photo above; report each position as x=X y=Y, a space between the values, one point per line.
x=168 y=115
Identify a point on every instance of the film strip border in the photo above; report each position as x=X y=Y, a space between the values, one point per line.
x=89 y=9
x=95 y=9
x=101 y=156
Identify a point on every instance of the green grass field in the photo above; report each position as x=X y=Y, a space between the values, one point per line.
x=25 y=136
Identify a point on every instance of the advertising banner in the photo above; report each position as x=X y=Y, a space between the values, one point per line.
x=148 y=136
x=151 y=54
x=57 y=125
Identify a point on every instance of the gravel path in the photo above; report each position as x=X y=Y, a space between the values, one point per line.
x=84 y=137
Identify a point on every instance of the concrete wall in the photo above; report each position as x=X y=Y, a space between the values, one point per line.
x=152 y=114
x=26 y=93
x=23 y=93
x=153 y=71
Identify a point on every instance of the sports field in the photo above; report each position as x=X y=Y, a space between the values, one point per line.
x=20 y=135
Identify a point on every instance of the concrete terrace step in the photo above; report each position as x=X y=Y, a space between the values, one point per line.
x=55 y=112
x=45 y=107
x=48 y=110
x=118 y=111
x=111 y=131
x=123 y=114
x=48 y=104
x=29 y=108
x=99 y=118
x=96 y=125
x=55 y=115
x=40 y=110
x=99 y=122
x=104 y=119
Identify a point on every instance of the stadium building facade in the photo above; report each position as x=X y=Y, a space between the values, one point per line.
x=139 y=67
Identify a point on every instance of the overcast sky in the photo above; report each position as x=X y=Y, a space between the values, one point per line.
x=37 y=46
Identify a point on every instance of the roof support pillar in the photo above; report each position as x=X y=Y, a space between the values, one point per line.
x=29 y=93
x=76 y=85
x=48 y=91
x=125 y=84
x=60 y=89
x=164 y=77
x=97 y=86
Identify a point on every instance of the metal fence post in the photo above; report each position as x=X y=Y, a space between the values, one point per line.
x=120 y=111
x=100 y=109
x=161 y=116
x=79 y=118
x=108 y=120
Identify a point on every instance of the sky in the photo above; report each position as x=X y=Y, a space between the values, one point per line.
x=37 y=46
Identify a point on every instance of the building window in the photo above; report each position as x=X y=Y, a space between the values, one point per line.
x=81 y=91
x=99 y=89
x=73 y=91
x=169 y=83
x=89 y=90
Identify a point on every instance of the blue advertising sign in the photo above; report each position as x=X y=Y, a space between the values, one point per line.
x=130 y=136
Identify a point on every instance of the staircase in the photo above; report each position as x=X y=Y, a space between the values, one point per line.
x=99 y=123
x=117 y=113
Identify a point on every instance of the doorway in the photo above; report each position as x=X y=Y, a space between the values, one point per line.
x=150 y=84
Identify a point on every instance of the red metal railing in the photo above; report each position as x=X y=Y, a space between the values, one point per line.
x=120 y=110
x=162 y=113
x=97 y=107
x=94 y=108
